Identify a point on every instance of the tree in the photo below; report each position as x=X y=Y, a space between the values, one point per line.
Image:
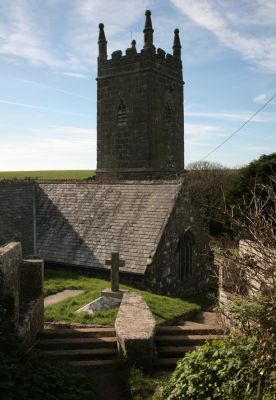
x=250 y=177
x=242 y=366
x=208 y=182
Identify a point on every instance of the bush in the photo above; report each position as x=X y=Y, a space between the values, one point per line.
x=225 y=370
x=39 y=378
x=208 y=182
x=243 y=365
x=254 y=175
x=25 y=376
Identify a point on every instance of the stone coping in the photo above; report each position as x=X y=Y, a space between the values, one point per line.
x=134 y=319
x=135 y=330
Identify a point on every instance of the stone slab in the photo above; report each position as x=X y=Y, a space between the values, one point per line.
x=135 y=330
x=65 y=294
x=100 y=304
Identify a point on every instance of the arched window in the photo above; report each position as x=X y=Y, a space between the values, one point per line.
x=122 y=114
x=185 y=256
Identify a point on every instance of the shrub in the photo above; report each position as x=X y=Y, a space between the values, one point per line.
x=25 y=376
x=254 y=175
x=225 y=370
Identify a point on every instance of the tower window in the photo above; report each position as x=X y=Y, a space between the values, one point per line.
x=168 y=114
x=185 y=256
x=122 y=114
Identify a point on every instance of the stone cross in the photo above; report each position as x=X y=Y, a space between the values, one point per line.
x=115 y=264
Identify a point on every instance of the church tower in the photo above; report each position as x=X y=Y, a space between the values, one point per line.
x=140 y=122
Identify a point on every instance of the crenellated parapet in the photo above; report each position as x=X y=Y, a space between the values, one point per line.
x=133 y=61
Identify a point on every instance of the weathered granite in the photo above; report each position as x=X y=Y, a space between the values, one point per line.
x=162 y=274
x=115 y=264
x=135 y=330
x=140 y=119
x=100 y=304
x=10 y=260
x=22 y=287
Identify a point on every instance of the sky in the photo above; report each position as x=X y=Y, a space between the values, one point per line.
x=48 y=68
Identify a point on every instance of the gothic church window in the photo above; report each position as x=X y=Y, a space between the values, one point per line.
x=122 y=114
x=185 y=256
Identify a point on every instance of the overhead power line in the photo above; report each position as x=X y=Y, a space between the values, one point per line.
x=237 y=130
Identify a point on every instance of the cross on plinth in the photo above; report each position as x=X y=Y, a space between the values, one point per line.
x=115 y=264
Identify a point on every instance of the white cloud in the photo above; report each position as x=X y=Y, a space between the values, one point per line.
x=262 y=98
x=218 y=18
x=118 y=17
x=17 y=104
x=52 y=147
x=203 y=134
x=261 y=149
x=43 y=86
x=22 y=37
x=29 y=31
x=74 y=75
x=233 y=116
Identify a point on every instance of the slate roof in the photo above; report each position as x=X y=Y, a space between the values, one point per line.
x=81 y=224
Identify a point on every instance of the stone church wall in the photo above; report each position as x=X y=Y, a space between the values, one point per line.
x=16 y=214
x=162 y=275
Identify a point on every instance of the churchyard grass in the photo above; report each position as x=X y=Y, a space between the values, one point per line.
x=165 y=309
x=48 y=175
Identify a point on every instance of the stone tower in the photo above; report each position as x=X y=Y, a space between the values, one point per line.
x=140 y=122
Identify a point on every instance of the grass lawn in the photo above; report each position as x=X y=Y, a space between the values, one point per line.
x=66 y=174
x=164 y=308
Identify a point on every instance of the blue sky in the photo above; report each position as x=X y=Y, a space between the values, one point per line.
x=48 y=53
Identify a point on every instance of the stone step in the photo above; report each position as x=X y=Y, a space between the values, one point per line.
x=167 y=363
x=77 y=332
x=83 y=354
x=93 y=364
x=190 y=330
x=174 y=351
x=76 y=343
x=182 y=340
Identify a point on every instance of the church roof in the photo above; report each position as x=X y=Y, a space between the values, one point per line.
x=81 y=223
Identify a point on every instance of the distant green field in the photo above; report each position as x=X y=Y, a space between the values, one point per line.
x=65 y=174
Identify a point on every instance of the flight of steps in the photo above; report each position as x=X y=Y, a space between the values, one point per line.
x=82 y=347
x=172 y=342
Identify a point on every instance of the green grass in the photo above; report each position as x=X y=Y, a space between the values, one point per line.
x=165 y=309
x=66 y=174
x=142 y=386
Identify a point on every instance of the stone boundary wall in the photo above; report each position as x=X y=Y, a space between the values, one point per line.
x=135 y=330
x=21 y=285
x=10 y=259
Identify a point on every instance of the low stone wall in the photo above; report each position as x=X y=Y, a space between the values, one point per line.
x=31 y=300
x=21 y=285
x=31 y=279
x=135 y=330
x=10 y=259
